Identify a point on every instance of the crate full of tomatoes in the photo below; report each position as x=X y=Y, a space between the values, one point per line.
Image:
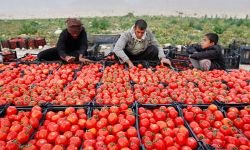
x=40 y=41
x=213 y=128
x=5 y=44
x=14 y=43
x=8 y=56
x=19 y=125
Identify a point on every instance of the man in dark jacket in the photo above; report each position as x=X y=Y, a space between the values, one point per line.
x=208 y=56
x=72 y=44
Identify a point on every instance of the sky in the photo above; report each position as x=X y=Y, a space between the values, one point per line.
x=18 y=9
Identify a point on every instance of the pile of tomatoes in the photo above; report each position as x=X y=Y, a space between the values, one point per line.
x=211 y=127
x=8 y=66
x=7 y=56
x=17 y=126
x=111 y=128
x=61 y=129
x=28 y=57
x=162 y=128
x=151 y=93
x=240 y=118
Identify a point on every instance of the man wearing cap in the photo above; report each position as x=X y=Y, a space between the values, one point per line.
x=72 y=44
x=139 y=43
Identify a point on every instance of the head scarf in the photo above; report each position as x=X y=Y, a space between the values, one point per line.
x=74 y=25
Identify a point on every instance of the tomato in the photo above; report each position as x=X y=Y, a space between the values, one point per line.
x=3 y=135
x=12 y=146
x=225 y=130
x=168 y=141
x=36 y=114
x=112 y=118
x=189 y=116
x=88 y=143
x=123 y=142
x=191 y=142
x=238 y=123
x=58 y=147
x=117 y=128
x=167 y=132
x=159 y=144
x=112 y=146
x=75 y=141
x=34 y=122
x=52 y=137
x=180 y=138
x=218 y=115
x=91 y=123
x=154 y=128
x=160 y=116
x=131 y=119
x=212 y=107
x=65 y=126
x=32 y=147
x=40 y=143
x=61 y=140
x=11 y=110
x=178 y=121
x=46 y=147
x=131 y=132
x=22 y=137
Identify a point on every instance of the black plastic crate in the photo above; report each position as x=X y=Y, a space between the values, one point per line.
x=129 y=107
x=5 y=44
x=228 y=51
x=224 y=110
x=245 y=55
x=13 y=44
x=232 y=61
x=173 y=104
x=95 y=56
x=179 y=56
x=8 y=56
x=31 y=43
x=40 y=41
x=62 y=108
x=235 y=45
x=203 y=107
x=27 y=108
x=181 y=65
x=22 y=44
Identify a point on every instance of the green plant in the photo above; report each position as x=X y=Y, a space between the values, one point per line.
x=104 y=24
x=219 y=29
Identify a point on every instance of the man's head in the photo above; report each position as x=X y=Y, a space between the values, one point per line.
x=74 y=27
x=140 y=28
x=209 y=39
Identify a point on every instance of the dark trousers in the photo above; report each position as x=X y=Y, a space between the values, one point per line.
x=151 y=53
x=52 y=54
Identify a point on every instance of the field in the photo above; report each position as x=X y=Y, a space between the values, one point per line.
x=175 y=30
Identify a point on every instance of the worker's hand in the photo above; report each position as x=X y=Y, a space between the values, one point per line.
x=130 y=64
x=69 y=58
x=164 y=60
x=83 y=60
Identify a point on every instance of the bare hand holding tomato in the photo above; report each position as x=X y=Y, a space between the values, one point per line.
x=130 y=64
x=164 y=60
